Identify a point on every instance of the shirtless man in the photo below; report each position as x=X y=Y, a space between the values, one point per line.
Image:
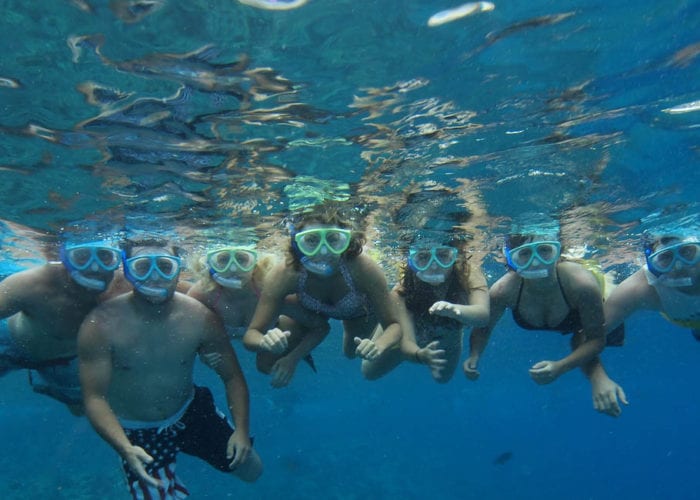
x=42 y=309
x=137 y=354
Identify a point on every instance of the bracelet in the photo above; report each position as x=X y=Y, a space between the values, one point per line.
x=415 y=356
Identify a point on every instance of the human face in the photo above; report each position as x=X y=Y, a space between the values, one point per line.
x=153 y=271
x=91 y=265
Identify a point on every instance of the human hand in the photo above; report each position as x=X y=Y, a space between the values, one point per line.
x=469 y=367
x=282 y=372
x=432 y=356
x=605 y=396
x=275 y=341
x=366 y=349
x=238 y=449
x=136 y=457
x=544 y=372
x=446 y=309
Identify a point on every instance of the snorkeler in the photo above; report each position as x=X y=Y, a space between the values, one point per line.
x=440 y=294
x=137 y=355
x=329 y=276
x=42 y=310
x=230 y=285
x=669 y=282
x=544 y=292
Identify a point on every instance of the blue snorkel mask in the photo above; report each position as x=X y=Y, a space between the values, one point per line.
x=97 y=258
x=141 y=268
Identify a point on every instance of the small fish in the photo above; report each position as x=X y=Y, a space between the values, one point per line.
x=503 y=458
x=688 y=107
x=449 y=15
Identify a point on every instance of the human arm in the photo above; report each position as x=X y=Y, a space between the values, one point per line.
x=429 y=355
x=499 y=298
x=585 y=296
x=95 y=366
x=371 y=280
x=310 y=336
x=279 y=283
x=214 y=340
x=632 y=295
x=475 y=312
x=15 y=291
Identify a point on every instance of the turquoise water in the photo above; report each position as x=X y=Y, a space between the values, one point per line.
x=561 y=107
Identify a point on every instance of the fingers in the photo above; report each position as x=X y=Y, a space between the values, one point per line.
x=281 y=375
x=621 y=395
x=276 y=340
x=366 y=349
x=470 y=370
x=137 y=465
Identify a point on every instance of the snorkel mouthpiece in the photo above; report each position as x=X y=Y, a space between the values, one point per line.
x=530 y=274
x=321 y=268
x=90 y=283
x=151 y=291
x=235 y=283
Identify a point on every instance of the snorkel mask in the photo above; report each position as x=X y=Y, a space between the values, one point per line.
x=98 y=258
x=532 y=246
x=421 y=259
x=142 y=268
x=310 y=243
x=234 y=261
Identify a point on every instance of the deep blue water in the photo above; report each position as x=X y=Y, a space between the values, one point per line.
x=559 y=107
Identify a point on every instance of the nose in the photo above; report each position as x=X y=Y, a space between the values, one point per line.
x=324 y=250
x=94 y=267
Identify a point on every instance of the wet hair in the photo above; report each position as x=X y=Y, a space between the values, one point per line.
x=328 y=214
x=128 y=246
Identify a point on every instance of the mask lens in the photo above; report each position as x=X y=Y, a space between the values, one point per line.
x=245 y=259
x=220 y=261
x=445 y=256
x=547 y=253
x=337 y=240
x=421 y=259
x=521 y=257
x=80 y=257
x=140 y=267
x=168 y=267
x=309 y=242
x=690 y=252
x=663 y=260
x=108 y=258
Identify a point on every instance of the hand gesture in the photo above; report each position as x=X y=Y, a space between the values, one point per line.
x=544 y=372
x=136 y=457
x=238 y=449
x=446 y=309
x=366 y=349
x=432 y=356
x=606 y=395
x=470 y=370
x=282 y=372
x=275 y=341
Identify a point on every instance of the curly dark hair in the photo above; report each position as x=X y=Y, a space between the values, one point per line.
x=330 y=213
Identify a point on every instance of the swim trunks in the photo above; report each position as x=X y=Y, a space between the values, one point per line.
x=59 y=380
x=12 y=356
x=198 y=429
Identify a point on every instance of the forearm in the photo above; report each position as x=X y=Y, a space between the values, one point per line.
x=390 y=338
x=584 y=353
x=470 y=315
x=105 y=422
x=252 y=340
x=238 y=400
x=478 y=340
